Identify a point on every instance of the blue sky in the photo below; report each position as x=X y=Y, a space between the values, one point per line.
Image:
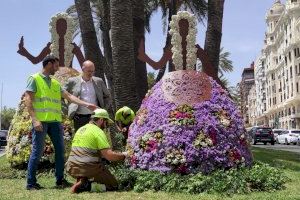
x=243 y=34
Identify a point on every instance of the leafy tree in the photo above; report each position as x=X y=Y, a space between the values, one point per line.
x=6 y=117
x=151 y=79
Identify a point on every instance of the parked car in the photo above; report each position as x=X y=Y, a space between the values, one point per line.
x=262 y=134
x=277 y=132
x=3 y=137
x=288 y=137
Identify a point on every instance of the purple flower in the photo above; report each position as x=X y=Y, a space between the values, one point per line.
x=178 y=147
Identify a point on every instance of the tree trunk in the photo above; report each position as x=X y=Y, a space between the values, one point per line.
x=138 y=34
x=123 y=53
x=214 y=33
x=172 y=11
x=105 y=28
x=89 y=38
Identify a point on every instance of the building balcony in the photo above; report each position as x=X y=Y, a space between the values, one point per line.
x=292 y=6
x=297 y=115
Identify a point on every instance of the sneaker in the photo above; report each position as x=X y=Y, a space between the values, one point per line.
x=63 y=184
x=97 y=187
x=82 y=185
x=34 y=187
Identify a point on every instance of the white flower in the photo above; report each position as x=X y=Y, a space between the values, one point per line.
x=68 y=38
x=191 y=57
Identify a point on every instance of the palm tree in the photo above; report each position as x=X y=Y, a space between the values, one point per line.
x=89 y=38
x=138 y=13
x=123 y=53
x=225 y=64
x=214 y=32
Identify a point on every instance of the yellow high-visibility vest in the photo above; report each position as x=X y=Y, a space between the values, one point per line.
x=47 y=100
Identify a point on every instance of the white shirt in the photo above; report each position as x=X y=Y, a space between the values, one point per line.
x=87 y=94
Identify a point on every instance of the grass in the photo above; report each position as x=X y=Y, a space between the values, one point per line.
x=12 y=184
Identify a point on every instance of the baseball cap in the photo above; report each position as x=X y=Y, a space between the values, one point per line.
x=49 y=58
x=126 y=110
x=101 y=113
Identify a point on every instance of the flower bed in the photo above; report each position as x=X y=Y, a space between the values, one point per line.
x=198 y=137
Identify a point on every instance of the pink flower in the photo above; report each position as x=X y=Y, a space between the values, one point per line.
x=133 y=160
x=151 y=145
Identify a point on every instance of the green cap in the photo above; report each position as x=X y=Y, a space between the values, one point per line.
x=101 y=113
x=126 y=110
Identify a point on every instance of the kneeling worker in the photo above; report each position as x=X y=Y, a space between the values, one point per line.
x=88 y=147
x=124 y=118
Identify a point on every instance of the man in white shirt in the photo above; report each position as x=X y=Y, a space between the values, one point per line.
x=90 y=89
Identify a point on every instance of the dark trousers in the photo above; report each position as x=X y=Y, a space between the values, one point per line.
x=55 y=132
x=80 y=120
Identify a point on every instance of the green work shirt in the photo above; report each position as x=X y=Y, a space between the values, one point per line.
x=126 y=121
x=90 y=136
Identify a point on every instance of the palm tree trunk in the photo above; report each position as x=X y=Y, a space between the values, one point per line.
x=172 y=11
x=138 y=34
x=214 y=33
x=123 y=53
x=89 y=38
x=105 y=28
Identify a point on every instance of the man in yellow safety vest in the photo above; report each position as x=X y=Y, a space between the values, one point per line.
x=43 y=101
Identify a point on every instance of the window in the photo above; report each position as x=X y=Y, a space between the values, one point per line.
x=294 y=1
x=291 y=72
x=297 y=87
x=285 y=59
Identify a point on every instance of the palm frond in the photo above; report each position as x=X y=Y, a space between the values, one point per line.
x=225 y=65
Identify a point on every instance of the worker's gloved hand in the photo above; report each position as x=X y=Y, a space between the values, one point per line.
x=125 y=153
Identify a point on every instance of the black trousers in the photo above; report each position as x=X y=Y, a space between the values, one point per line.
x=80 y=120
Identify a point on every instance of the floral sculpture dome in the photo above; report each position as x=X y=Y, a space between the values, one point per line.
x=186 y=124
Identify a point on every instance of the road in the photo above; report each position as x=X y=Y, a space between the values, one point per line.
x=2 y=151
x=283 y=147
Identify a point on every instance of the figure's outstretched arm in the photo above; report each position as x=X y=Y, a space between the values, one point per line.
x=207 y=68
x=23 y=51
x=145 y=58
x=77 y=52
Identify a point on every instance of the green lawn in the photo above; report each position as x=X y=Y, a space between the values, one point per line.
x=14 y=188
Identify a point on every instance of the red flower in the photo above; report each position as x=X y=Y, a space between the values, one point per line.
x=213 y=136
x=182 y=169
